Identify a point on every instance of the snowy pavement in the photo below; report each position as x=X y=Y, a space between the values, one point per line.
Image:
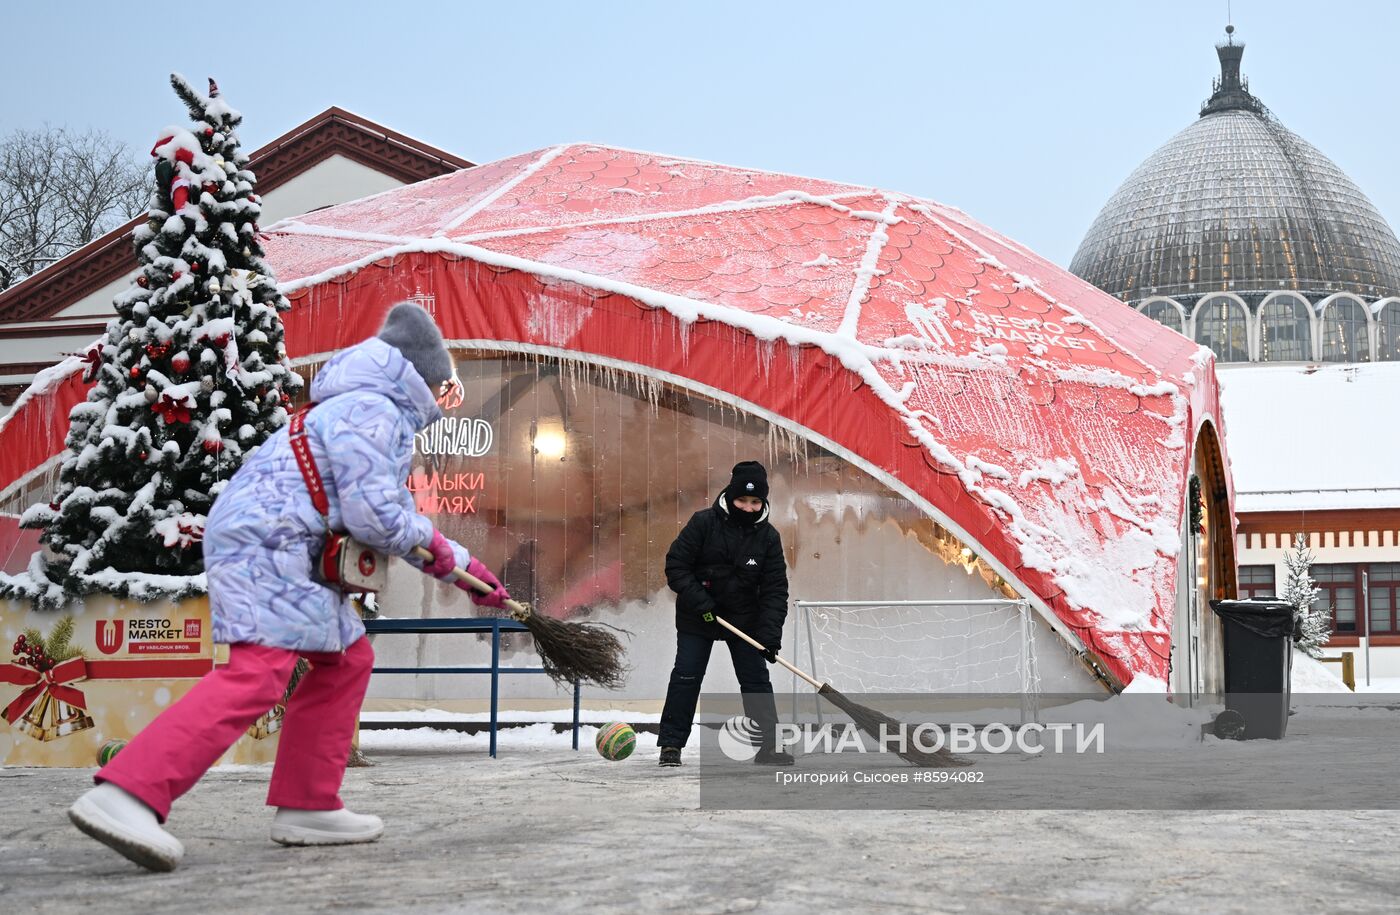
x=542 y=828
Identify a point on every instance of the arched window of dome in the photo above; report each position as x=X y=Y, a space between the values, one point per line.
x=1285 y=329
x=1167 y=312
x=1222 y=323
x=1346 y=331
x=1387 y=312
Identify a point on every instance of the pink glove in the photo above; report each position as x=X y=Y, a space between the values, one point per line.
x=444 y=560
x=496 y=599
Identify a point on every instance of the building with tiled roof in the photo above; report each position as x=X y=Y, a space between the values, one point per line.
x=331 y=158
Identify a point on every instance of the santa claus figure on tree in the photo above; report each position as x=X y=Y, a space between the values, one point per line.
x=191 y=375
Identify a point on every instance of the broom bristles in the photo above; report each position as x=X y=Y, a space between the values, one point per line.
x=578 y=651
x=869 y=721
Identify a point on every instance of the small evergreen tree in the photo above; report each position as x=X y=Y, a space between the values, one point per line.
x=1313 y=625
x=191 y=375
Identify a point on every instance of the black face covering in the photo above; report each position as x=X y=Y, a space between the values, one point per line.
x=748 y=519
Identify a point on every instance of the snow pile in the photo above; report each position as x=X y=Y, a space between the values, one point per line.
x=1379 y=685
x=428 y=739
x=1312 y=676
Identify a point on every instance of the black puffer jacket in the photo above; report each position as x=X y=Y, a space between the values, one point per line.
x=719 y=565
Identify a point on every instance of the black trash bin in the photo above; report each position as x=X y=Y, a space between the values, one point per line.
x=1258 y=665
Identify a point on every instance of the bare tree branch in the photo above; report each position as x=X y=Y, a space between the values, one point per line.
x=110 y=187
x=59 y=190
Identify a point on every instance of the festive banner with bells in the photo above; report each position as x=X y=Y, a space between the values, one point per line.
x=104 y=671
x=47 y=706
x=50 y=706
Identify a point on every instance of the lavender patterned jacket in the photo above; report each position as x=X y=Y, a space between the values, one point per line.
x=264 y=534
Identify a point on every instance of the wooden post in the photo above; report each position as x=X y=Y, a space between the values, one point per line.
x=1348 y=662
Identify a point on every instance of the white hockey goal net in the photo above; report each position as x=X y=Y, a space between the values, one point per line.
x=919 y=646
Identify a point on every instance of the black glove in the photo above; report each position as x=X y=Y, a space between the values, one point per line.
x=770 y=655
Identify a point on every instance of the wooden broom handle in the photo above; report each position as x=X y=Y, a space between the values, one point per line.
x=517 y=609
x=781 y=660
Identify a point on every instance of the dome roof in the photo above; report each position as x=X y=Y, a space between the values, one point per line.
x=1237 y=202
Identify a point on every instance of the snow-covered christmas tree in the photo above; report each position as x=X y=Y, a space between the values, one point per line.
x=1314 y=625
x=191 y=375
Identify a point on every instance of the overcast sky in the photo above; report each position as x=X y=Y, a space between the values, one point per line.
x=1025 y=113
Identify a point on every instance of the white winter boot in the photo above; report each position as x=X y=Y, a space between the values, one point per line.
x=126 y=825
x=324 y=827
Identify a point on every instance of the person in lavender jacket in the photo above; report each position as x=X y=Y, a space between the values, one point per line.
x=260 y=546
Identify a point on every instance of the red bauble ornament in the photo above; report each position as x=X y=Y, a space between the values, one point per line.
x=213 y=447
x=196 y=267
x=208 y=131
x=210 y=187
x=181 y=363
x=177 y=274
x=53 y=506
x=136 y=371
x=142 y=281
x=221 y=340
x=141 y=456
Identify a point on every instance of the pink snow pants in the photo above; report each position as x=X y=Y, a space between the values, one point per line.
x=174 y=751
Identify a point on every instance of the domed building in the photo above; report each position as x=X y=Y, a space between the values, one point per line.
x=1244 y=237
x=1240 y=234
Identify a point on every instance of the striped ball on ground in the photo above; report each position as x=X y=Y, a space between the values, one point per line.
x=616 y=741
x=108 y=750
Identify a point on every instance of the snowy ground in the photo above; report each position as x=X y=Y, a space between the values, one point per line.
x=544 y=829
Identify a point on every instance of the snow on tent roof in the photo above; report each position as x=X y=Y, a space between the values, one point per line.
x=1042 y=420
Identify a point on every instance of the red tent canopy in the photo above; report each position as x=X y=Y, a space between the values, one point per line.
x=1043 y=421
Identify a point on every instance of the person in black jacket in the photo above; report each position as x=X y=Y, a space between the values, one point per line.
x=728 y=561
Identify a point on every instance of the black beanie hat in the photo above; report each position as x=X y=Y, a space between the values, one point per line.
x=413 y=332
x=748 y=478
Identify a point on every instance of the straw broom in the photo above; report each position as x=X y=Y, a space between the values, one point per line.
x=867 y=719
x=357 y=759
x=568 y=651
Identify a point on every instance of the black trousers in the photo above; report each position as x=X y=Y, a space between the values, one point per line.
x=692 y=657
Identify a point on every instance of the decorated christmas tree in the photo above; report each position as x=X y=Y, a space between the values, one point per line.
x=1313 y=624
x=191 y=375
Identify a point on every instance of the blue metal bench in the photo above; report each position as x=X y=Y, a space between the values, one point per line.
x=492 y=624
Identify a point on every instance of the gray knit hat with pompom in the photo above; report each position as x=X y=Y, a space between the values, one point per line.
x=412 y=331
